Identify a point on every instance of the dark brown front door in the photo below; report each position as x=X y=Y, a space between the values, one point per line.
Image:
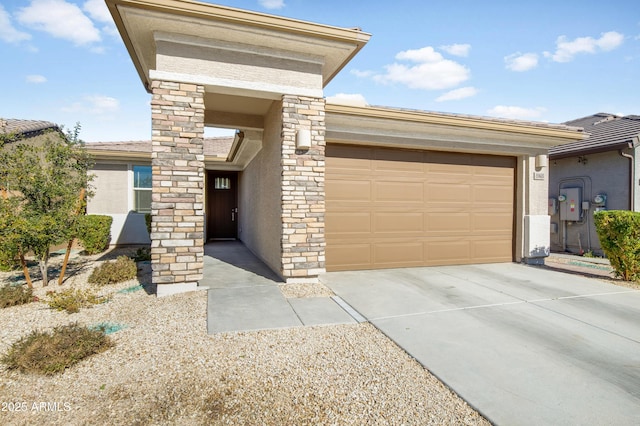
x=222 y=205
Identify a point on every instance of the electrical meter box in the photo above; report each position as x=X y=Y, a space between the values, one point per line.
x=571 y=207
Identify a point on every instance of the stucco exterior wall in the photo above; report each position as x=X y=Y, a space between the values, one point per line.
x=259 y=208
x=604 y=173
x=111 y=189
x=113 y=192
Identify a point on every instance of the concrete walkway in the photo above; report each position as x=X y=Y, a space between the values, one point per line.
x=524 y=345
x=244 y=295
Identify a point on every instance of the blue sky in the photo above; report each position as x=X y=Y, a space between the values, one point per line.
x=552 y=61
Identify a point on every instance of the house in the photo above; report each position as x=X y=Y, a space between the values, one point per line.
x=31 y=131
x=310 y=186
x=600 y=172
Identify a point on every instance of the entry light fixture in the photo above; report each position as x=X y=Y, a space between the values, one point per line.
x=303 y=139
x=541 y=161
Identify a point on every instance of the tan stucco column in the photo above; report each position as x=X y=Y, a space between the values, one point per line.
x=177 y=226
x=303 y=192
x=536 y=223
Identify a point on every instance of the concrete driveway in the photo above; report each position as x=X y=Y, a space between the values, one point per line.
x=521 y=344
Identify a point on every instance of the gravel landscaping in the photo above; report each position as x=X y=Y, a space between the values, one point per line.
x=165 y=369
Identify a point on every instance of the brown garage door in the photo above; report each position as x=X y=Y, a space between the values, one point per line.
x=390 y=208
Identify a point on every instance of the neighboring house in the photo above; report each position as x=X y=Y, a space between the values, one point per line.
x=33 y=132
x=310 y=186
x=29 y=131
x=600 y=172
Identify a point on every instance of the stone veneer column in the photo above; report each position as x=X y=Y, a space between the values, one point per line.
x=177 y=226
x=303 y=196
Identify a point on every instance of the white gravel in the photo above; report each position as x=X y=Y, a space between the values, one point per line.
x=166 y=369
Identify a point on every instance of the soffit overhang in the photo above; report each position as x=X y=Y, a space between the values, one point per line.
x=400 y=128
x=141 y=21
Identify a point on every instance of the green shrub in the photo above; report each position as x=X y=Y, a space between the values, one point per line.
x=15 y=295
x=147 y=221
x=71 y=300
x=619 y=234
x=94 y=232
x=119 y=270
x=50 y=353
x=142 y=254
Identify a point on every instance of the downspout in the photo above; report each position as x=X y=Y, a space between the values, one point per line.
x=632 y=173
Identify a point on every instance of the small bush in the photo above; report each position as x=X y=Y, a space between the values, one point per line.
x=143 y=254
x=619 y=234
x=119 y=270
x=147 y=221
x=94 y=232
x=50 y=353
x=71 y=300
x=15 y=295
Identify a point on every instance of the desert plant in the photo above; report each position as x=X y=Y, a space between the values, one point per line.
x=94 y=232
x=14 y=295
x=50 y=353
x=142 y=254
x=111 y=272
x=71 y=300
x=40 y=187
x=619 y=234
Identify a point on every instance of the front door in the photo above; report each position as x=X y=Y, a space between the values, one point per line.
x=222 y=205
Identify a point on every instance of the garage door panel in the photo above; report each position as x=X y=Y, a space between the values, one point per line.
x=394 y=192
x=401 y=208
x=448 y=222
x=349 y=223
x=448 y=252
x=448 y=192
x=398 y=254
x=493 y=222
x=492 y=251
x=348 y=189
x=399 y=222
x=347 y=256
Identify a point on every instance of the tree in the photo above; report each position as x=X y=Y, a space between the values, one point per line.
x=42 y=182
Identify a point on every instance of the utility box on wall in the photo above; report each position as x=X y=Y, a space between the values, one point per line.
x=570 y=204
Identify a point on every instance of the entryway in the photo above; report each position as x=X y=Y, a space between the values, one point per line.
x=222 y=205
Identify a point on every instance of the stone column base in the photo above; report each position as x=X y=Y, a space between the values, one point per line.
x=171 y=289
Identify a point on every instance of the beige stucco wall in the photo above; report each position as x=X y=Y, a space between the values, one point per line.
x=112 y=193
x=110 y=184
x=260 y=195
x=240 y=67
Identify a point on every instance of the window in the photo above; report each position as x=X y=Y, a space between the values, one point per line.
x=142 y=183
x=222 y=183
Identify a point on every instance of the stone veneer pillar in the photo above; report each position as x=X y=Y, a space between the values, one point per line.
x=303 y=191
x=177 y=209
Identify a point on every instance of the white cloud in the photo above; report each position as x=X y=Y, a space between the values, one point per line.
x=567 y=49
x=456 y=94
x=60 y=19
x=354 y=99
x=362 y=74
x=272 y=4
x=36 y=79
x=457 y=49
x=432 y=71
x=521 y=61
x=516 y=112
x=8 y=32
x=97 y=10
x=94 y=104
